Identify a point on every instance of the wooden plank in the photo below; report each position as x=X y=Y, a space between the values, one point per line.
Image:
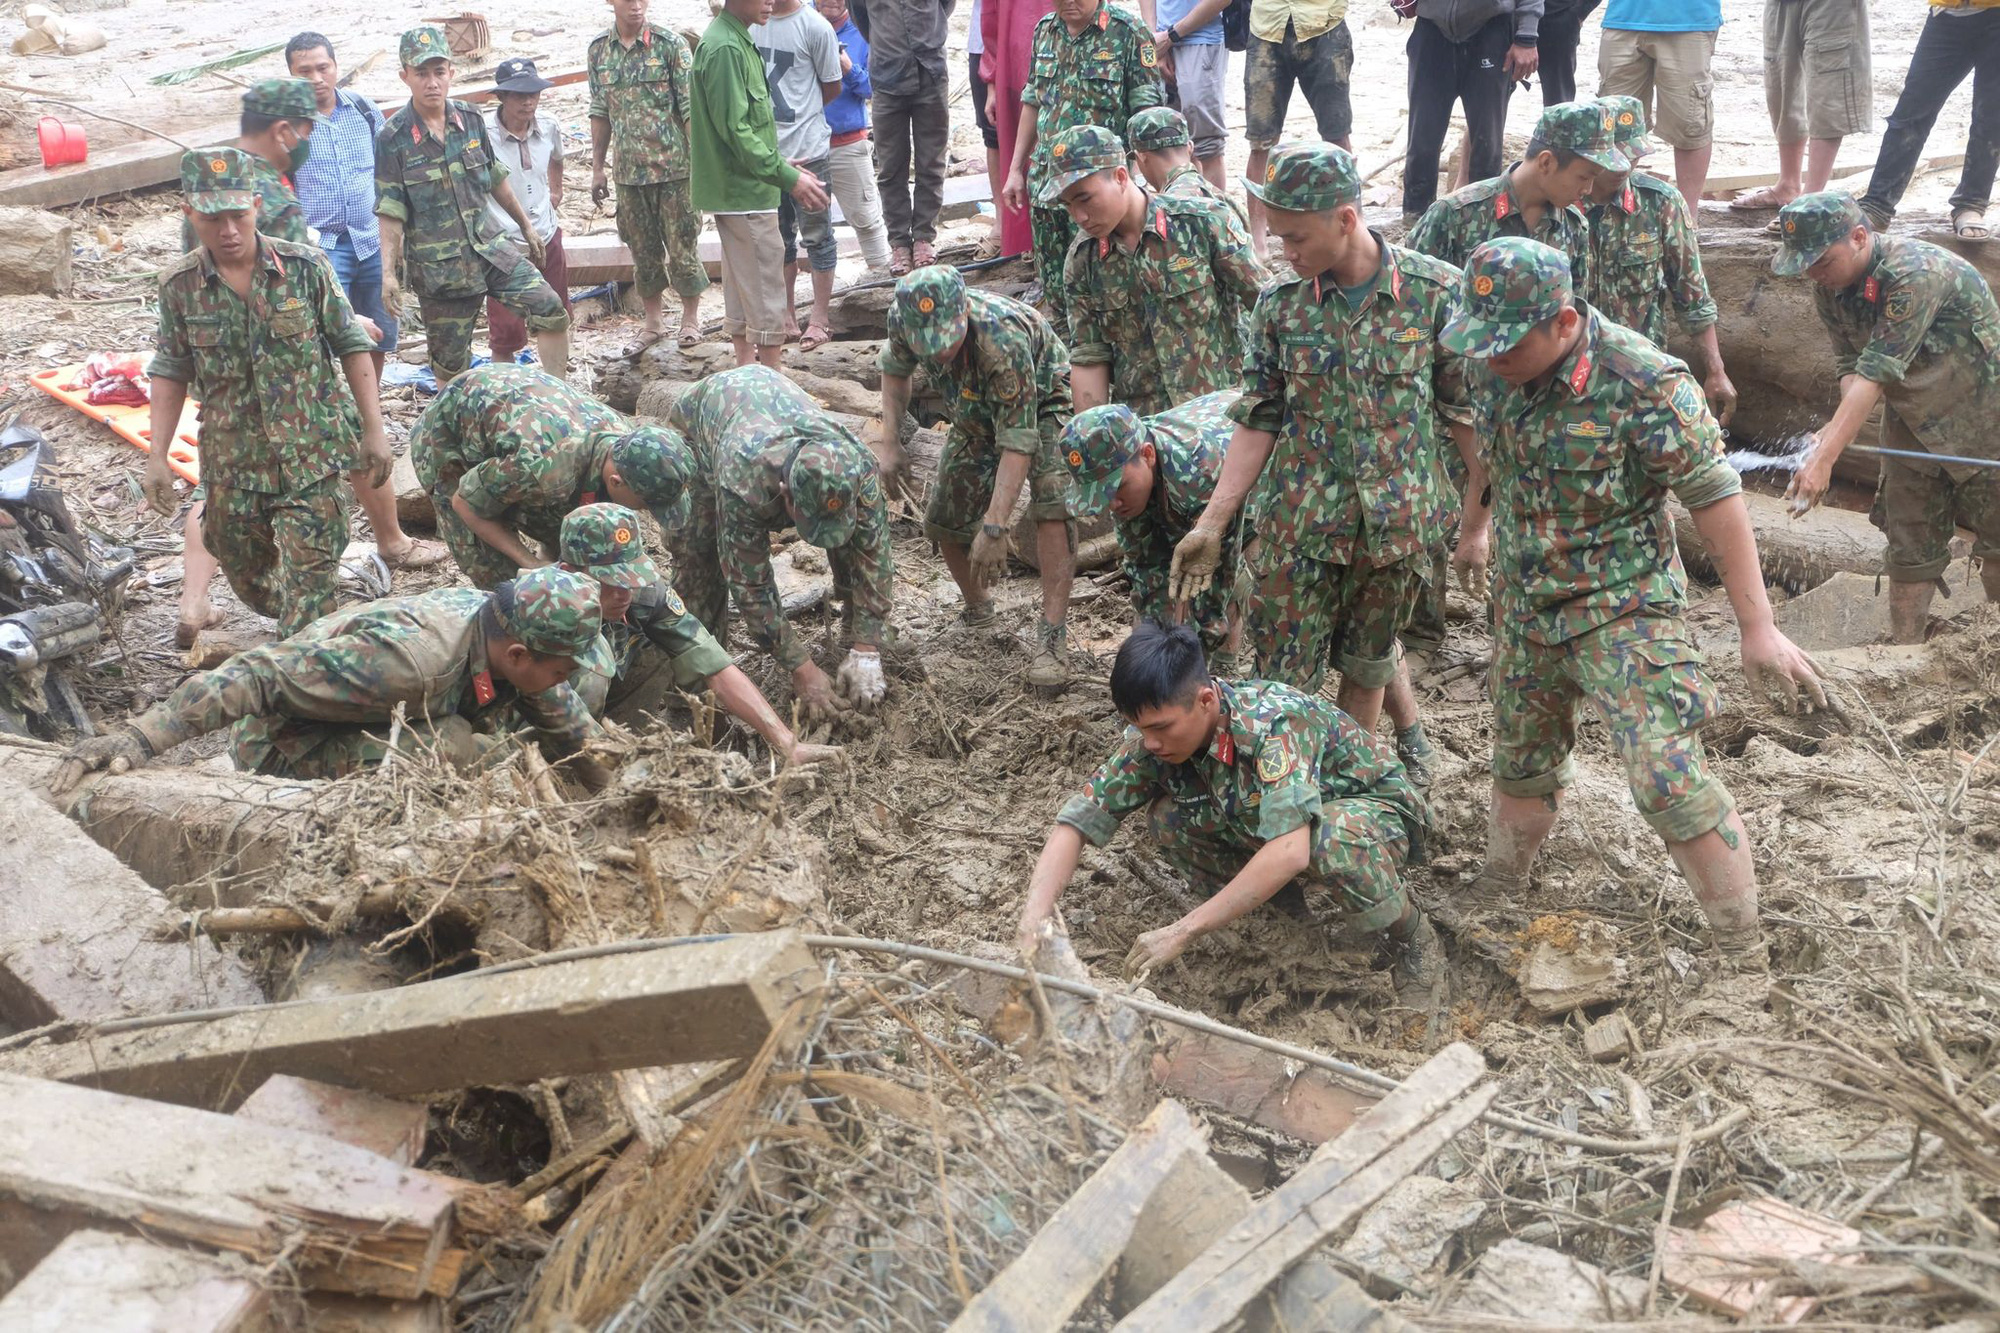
x=1076 y=1248
x=1306 y=1104
x=1190 y=1212
x=1344 y=1176
x=708 y=999
x=346 y=1219
x=97 y=1280
x=381 y=1125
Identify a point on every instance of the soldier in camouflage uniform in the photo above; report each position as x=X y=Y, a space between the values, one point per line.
x=648 y=629
x=466 y=668
x=1003 y=375
x=278 y=117
x=640 y=77
x=1587 y=427
x=1093 y=64
x=434 y=172
x=1248 y=785
x=1916 y=332
x=1158 y=286
x=505 y=450
x=255 y=326
x=765 y=457
x=1345 y=394
x=1644 y=253
x=1163 y=150
x=1155 y=474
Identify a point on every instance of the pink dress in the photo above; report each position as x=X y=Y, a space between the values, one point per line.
x=1008 y=27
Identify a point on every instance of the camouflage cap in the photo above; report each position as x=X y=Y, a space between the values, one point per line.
x=1078 y=152
x=832 y=481
x=1097 y=444
x=1308 y=178
x=928 y=310
x=1586 y=129
x=217 y=180
x=281 y=99
x=655 y=462
x=551 y=610
x=1808 y=225
x=604 y=541
x=422 y=45
x=1628 y=126
x=1511 y=284
x=1157 y=127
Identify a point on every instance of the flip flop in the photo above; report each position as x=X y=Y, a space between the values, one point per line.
x=1762 y=200
x=814 y=336
x=647 y=337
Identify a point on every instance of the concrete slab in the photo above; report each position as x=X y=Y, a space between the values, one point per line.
x=101 y=1281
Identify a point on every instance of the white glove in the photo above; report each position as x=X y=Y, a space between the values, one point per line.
x=861 y=680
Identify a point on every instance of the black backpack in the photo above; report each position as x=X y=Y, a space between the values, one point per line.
x=1236 y=25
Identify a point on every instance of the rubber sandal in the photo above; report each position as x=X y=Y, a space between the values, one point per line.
x=1762 y=200
x=814 y=336
x=923 y=255
x=1969 y=224
x=647 y=337
x=423 y=553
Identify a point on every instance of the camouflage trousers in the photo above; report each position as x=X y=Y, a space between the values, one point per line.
x=1358 y=849
x=1053 y=233
x=660 y=225
x=483 y=566
x=1645 y=679
x=450 y=320
x=1298 y=613
x=1425 y=632
x=280 y=552
x=282 y=747
x=1917 y=506
x=1208 y=613
x=966 y=472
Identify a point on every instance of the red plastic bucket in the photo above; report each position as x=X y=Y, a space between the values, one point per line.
x=62 y=142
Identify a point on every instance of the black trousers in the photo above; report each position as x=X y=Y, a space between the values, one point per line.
x=1949 y=48
x=1442 y=72
x=1561 y=29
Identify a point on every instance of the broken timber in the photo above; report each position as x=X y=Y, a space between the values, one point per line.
x=1796 y=553
x=1409 y=1127
x=697 y=999
x=98 y=1280
x=343 y=1218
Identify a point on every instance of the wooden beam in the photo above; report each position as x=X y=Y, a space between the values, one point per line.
x=100 y=1280
x=1076 y=1248
x=1796 y=553
x=1409 y=1127
x=342 y=1218
x=381 y=1125
x=704 y=999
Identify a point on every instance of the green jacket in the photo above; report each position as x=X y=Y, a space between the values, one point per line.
x=732 y=135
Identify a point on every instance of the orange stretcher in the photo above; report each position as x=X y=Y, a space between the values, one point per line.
x=132 y=424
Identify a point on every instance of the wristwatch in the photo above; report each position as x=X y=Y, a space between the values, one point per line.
x=992 y=530
x=1173 y=35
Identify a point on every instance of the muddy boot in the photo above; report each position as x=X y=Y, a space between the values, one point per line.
x=1418 y=756
x=1049 y=668
x=1417 y=965
x=979 y=615
x=1742 y=952
x=1222 y=664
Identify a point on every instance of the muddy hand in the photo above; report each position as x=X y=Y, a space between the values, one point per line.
x=1469 y=561
x=1196 y=558
x=120 y=751
x=989 y=555
x=806 y=755
x=1809 y=483
x=1155 y=949
x=158 y=484
x=817 y=694
x=1774 y=664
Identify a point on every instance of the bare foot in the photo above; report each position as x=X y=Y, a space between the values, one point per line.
x=193 y=620
x=414 y=553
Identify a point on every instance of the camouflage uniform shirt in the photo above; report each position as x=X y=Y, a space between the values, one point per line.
x=1922 y=323
x=1166 y=316
x=657 y=617
x=1354 y=395
x=642 y=90
x=744 y=431
x=1644 y=255
x=1189 y=443
x=1278 y=756
x=279 y=214
x=438 y=190
x=1454 y=226
x=353 y=667
x=1102 y=76
x=519 y=445
x=1187 y=182
x=276 y=413
x=1580 y=471
x=1010 y=373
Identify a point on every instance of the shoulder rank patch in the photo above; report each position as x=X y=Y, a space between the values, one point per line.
x=1686 y=400
x=1276 y=760
x=1587 y=430
x=1899 y=303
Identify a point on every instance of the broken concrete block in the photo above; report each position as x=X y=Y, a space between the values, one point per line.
x=1403 y=1239
x=1611 y=1038
x=384 y=1126
x=1516 y=1280
x=98 y=1280
x=1710 y=1263
x=1572 y=965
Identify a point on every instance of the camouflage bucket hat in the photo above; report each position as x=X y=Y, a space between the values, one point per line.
x=552 y=611
x=1079 y=152
x=1097 y=444
x=1628 y=126
x=1510 y=285
x=217 y=180
x=655 y=462
x=833 y=482
x=281 y=99
x=422 y=45
x=1586 y=129
x=1808 y=225
x=1157 y=127
x=604 y=541
x=1309 y=178
x=928 y=310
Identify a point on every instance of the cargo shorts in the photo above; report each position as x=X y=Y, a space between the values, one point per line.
x=1301 y=613
x=967 y=468
x=1668 y=71
x=1644 y=677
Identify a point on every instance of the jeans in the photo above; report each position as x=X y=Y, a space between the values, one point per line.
x=1443 y=72
x=814 y=228
x=361 y=279
x=1950 y=47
